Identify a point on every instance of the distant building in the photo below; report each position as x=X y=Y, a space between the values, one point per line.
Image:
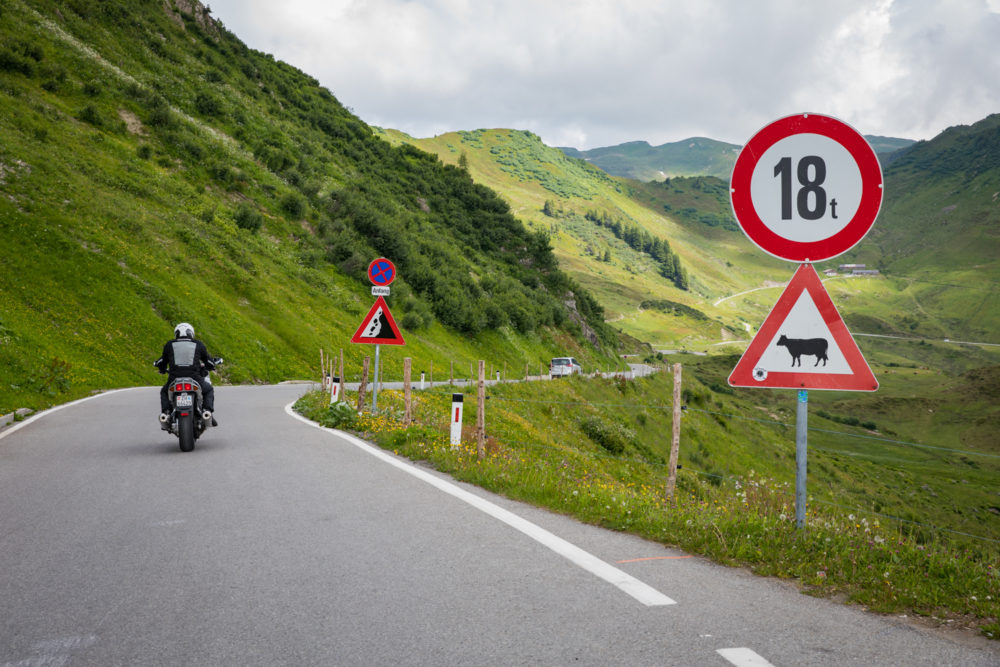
x=830 y=272
x=857 y=270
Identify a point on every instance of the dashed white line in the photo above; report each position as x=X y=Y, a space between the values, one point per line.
x=642 y=592
x=743 y=657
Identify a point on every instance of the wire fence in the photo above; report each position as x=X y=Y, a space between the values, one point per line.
x=783 y=426
x=733 y=478
x=942 y=454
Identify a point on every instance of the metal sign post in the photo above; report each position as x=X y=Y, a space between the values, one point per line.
x=375 y=385
x=801 y=448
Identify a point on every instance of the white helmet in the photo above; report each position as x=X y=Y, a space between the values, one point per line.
x=184 y=330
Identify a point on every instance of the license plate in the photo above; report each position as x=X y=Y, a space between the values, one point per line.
x=184 y=400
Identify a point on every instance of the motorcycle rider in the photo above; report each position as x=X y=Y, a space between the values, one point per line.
x=185 y=356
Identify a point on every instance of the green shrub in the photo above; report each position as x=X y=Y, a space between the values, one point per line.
x=249 y=218
x=293 y=205
x=89 y=114
x=613 y=437
x=411 y=320
x=159 y=113
x=339 y=415
x=20 y=57
x=207 y=104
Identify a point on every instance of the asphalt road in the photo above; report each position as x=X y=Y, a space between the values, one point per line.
x=279 y=543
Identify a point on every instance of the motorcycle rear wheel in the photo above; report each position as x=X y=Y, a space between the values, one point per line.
x=185 y=432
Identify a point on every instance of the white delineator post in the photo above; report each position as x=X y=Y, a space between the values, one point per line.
x=335 y=391
x=457 y=403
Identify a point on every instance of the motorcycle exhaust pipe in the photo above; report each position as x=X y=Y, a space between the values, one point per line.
x=164 y=418
x=206 y=415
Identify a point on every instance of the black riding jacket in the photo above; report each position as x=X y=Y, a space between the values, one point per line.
x=185 y=356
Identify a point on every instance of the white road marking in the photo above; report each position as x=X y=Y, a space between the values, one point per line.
x=743 y=657
x=625 y=582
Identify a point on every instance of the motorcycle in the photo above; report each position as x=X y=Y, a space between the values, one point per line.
x=187 y=419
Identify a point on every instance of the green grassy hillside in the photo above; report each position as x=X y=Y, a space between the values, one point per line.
x=939 y=233
x=935 y=240
x=573 y=201
x=154 y=169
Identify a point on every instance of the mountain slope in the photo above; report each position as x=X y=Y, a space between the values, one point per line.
x=155 y=169
x=939 y=231
x=575 y=202
x=696 y=156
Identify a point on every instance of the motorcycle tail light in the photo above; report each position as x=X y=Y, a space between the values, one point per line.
x=187 y=386
x=179 y=387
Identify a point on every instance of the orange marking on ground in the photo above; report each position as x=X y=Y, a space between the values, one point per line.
x=639 y=560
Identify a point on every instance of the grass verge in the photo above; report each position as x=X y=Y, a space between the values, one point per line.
x=744 y=521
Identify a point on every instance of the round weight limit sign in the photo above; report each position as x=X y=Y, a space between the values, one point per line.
x=806 y=188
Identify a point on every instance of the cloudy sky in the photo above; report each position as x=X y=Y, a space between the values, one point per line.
x=589 y=73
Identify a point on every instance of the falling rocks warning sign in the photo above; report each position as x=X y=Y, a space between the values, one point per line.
x=378 y=327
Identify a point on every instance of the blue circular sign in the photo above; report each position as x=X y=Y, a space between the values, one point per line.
x=381 y=272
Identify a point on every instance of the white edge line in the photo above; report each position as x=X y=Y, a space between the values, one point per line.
x=743 y=657
x=38 y=415
x=625 y=582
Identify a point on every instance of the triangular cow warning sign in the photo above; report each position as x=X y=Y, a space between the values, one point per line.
x=378 y=327
x=804 y=344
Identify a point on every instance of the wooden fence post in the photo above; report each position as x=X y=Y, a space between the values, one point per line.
x=481 y=411
x=341 y=375
x=407 y=398
x=364 y=384
x=675 y=441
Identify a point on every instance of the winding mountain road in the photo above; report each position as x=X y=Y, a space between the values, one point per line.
x=277 y=542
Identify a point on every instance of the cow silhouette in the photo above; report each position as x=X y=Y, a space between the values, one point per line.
x=809 y=346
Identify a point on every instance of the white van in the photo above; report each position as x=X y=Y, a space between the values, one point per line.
x=564 y=366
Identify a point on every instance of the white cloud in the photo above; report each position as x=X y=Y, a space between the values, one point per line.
x=593 y=72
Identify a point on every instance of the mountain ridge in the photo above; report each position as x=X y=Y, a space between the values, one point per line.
x=694 y=156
